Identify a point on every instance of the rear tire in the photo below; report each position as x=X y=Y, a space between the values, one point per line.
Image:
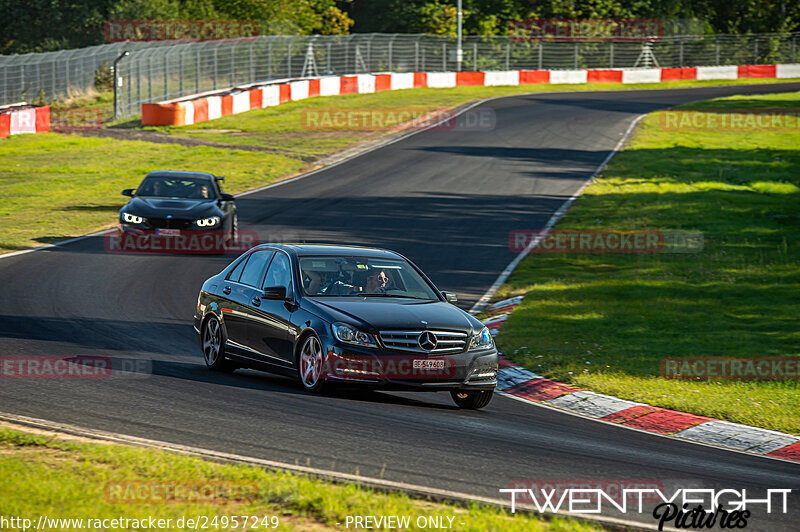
x=214 y=346
x=471 y=399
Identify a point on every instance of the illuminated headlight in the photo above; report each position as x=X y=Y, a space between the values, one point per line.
x=350 y=335
x=132 y=218
x=482 y=340
x=207 y=222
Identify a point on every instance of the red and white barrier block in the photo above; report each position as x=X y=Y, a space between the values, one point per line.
x=199 y=108
x=526 y=385
x=22 y=118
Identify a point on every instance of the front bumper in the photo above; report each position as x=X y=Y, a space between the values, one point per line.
x=390 y=369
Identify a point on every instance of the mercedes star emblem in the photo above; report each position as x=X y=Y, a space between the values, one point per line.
x=427 y=341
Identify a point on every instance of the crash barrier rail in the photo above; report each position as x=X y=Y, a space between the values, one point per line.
x=21 y=118
x=233 y=100
x=161 y=70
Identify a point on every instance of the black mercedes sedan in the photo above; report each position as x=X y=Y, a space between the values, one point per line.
x=174 y=204
x=343 y=314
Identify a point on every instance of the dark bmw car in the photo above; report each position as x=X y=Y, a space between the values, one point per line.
x=173 y=203
x=334 y=314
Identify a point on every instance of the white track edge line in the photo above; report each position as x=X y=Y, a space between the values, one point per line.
x=506 y=273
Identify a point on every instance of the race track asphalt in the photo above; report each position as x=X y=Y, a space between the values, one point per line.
x=448 y=200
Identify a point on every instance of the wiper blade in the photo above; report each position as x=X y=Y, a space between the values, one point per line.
x=391 y=295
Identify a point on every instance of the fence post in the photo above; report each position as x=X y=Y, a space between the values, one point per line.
x=166 y=69
x=508 y=54
x=755 y=50
x=475 y=56
x=390 y=52
x=716 y=48
x=138 y=79
x=541 y=54
x=416 y=55
x=197 y=70
x=329 y=69
x=444 y=57
x=680 y=53
x=215 y=67
x=149 y=78
x=250 y=72
x=793 y=47
x=611 y=55
x=180 y=75
x=289 y=58
x=576 y=55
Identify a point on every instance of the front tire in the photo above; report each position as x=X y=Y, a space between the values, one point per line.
x=214 y=346
x=310 y=363
x=472 y=399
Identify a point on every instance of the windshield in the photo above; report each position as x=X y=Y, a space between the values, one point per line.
x=184 y=187
x=360 y=276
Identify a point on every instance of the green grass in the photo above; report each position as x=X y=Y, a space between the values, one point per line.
x=605 y=321
x=56 y=186
x=43 y=475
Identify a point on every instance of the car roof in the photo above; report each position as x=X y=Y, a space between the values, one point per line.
x=305 y=250
x=177 y=174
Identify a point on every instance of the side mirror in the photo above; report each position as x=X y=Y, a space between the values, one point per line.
x=450 y=297
x=274 y=292
x=226 y=197
x=128 y=192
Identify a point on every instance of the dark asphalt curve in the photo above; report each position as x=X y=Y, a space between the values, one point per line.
x=446 y=199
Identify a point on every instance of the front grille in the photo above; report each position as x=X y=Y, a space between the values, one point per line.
x=446 y=341
x=169 y=223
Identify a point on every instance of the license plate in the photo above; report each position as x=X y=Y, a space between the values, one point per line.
x=168 y=232
x=428 y=364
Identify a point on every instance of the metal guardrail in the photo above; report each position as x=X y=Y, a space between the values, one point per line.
x=156 y=71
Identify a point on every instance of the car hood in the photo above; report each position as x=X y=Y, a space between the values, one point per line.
x=177 y=207
x=379 y=313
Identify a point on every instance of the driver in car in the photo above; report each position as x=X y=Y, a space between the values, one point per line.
x=377 y=283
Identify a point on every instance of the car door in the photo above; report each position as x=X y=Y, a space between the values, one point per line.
x=240 y=290
x=270 y=327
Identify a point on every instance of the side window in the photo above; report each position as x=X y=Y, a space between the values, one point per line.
x=254 y=270
x=236 y=272
x=279 y=273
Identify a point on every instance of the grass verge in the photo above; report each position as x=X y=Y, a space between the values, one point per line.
x=605 y=321
x=59 y=478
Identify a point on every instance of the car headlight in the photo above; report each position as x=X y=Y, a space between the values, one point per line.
x=350 y=335
x=132 y=218
x=207 y=222
x=483 y=340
